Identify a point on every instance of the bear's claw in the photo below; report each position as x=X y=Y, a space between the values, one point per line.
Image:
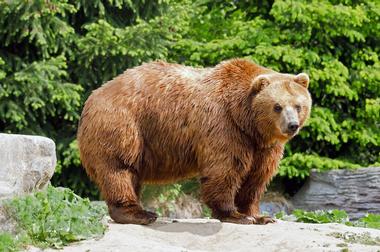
x=125 y=215
x=264 y=220
x=239 y=218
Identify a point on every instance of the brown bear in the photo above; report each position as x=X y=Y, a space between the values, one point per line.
x=161 y=122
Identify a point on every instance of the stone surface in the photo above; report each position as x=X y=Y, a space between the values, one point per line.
x=26 y=163
x=212 y=235
x=272 y=208
x=356 y=191
x=274 y=202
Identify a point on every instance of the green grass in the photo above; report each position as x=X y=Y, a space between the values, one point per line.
x=52 y=218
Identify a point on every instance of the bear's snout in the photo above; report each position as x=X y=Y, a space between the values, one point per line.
x=293 y=127
x=289 y=121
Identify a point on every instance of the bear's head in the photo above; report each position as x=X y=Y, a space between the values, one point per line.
x=281 y=104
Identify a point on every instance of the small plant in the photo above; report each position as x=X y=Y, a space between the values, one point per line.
x=55 y=217
x=370 y=221
x=331 y=216
x=335 y=216
x=206 y=211
x=9 y=243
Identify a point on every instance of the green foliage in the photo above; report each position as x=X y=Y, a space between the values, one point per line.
x=330 y=216
x=336 y=216
x=10 y=243
x=56 y=217
x=206 y=211
x=24 y=87
x=110 y=49
x=54 y=53
x=7 y=243
x=370 y=221
x=300 y=165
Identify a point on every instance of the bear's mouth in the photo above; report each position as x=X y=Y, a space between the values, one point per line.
x=291 y=134
x=285 y=136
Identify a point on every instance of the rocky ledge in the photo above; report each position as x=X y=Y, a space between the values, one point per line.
x=357 y=191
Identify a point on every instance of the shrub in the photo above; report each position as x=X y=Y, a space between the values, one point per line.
x=55 y=217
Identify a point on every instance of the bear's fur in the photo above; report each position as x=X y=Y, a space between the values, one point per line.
x=162 y=122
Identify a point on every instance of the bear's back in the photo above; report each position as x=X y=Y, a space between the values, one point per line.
x=164 y=106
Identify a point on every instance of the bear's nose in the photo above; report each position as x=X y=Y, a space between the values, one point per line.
x=293 y=126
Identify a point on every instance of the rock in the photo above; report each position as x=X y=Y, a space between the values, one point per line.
x=212 y=235
x=272 y=208
x=27 y=163
x=355 y=191
x=274 y=202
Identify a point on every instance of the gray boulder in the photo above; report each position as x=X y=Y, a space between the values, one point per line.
x=27 y=163
x=356 y=191
x=273 y=203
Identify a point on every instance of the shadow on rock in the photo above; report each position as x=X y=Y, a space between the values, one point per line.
x=201 y=229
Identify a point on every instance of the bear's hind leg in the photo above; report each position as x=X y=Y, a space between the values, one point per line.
x=120 y=187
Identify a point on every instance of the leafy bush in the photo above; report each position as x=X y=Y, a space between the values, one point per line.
x=54 y=53
x=299 y=165
x=55 y=217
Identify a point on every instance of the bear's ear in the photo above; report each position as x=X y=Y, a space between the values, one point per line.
x=259 y=83
x=302 y=79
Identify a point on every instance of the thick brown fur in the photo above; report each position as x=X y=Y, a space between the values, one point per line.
x=161 y=122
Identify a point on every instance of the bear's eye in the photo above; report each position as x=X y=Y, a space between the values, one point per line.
x=298 y=108
x=277 y=108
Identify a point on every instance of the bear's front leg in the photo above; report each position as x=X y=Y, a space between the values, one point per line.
x=253 y=187
x=218 y=190
x=248 y=200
